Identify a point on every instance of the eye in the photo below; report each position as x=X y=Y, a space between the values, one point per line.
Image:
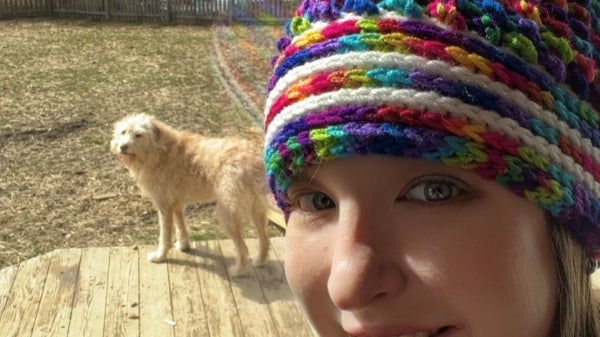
x=435 y=189
x=314 y=201
x=137 y=135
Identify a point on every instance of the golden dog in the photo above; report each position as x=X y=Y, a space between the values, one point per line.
x=176 y=168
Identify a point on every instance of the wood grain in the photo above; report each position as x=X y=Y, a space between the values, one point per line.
x=89 y=302
x=115 y=291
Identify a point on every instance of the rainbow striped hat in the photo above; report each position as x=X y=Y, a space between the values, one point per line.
x=509 y=89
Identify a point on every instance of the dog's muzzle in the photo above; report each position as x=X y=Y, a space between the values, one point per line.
x=123 y=149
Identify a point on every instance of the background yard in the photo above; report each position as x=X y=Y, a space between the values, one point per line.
x=63 y=84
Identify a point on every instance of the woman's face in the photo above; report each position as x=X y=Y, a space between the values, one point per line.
x=383 y=246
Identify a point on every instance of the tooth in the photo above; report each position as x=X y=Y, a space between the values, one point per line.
x=421 y=334
x=418 y=334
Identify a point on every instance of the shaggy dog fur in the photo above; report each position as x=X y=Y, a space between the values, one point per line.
x=176 y=168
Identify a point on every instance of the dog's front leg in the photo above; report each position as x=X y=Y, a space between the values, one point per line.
x=183 y=234
x=165 y=221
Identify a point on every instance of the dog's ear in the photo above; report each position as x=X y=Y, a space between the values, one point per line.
x=157 y=135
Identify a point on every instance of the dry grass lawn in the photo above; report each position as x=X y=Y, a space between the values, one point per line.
x=62 y=86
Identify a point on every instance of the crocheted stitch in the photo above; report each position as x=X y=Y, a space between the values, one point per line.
x=509 y=89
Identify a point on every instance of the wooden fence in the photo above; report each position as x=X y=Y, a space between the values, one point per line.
x=258 y=11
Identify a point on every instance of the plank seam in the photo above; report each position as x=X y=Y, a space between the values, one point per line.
x=110 y=253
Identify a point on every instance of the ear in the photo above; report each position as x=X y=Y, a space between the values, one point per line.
x=156 y=135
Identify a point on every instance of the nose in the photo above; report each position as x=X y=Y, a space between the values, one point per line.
x=123 y=148
x=363 y=267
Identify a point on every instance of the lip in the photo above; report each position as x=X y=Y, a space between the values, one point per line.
x=445 y=331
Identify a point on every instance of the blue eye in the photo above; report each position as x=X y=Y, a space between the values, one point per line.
x=433 y=191
x=316 y=201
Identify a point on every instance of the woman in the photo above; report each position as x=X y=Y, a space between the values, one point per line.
x=439 y=166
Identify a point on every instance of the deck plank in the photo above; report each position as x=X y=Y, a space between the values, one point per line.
x=89 y=303
x=221 y=311
x=7 y=276
x=57 y=298
x=301 y=319
x=115 y=291
x=279 y=249
x=277 y=217
x=249 y=299
x=122 y=298
x=185 y=287
x=286 y=313
x=23 y=301
x=155 y=304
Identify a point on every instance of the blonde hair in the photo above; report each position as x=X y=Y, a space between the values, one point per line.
x=578 y=305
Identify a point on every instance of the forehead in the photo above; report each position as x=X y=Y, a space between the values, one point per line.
x=133 y=123
x=374 y=166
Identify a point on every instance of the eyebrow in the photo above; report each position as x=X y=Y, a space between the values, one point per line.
x=304 y=178
x=301 y=178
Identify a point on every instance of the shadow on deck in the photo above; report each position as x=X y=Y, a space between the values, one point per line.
x=115 y=291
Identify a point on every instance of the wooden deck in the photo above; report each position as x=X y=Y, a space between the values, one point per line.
x=115 y=292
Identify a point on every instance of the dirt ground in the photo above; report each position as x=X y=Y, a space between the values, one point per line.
x=63 y=84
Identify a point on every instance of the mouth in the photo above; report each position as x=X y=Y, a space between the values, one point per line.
x=445 y=331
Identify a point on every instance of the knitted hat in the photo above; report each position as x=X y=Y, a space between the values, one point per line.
x=509 y=89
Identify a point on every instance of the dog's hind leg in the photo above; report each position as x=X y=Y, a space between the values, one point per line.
x=230 y=222
x=182 y=232
x=165 y=221
x=258 y=217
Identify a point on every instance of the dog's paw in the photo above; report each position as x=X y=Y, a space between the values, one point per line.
x=237 y=271
x=258 y=262
x=157 y=256
x=182 y=246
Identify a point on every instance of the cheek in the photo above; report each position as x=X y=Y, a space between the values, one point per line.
x=120 y=140
x=525 y=298
x=306 y=265
x=132 y=142
x=116 y=142
x=510 y=279
x=113 y=144
x=302 y=263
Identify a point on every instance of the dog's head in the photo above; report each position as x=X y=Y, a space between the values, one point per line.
x=134 y=137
